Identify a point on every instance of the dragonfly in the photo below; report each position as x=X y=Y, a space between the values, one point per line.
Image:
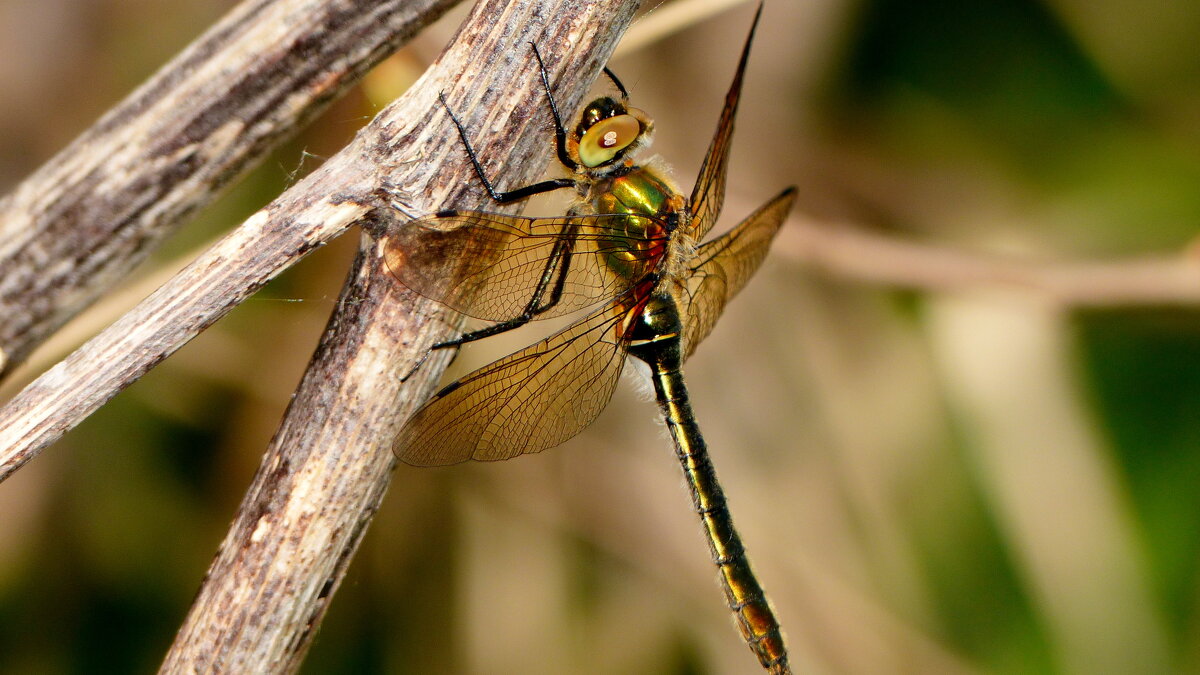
x=630 y=244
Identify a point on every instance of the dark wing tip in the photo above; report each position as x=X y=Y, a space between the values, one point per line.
x=746 y=51
x=789 y=195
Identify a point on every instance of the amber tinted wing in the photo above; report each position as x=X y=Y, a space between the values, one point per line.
x=708 y=195
x=488 y=265
x=526 y=402
x=724 y=265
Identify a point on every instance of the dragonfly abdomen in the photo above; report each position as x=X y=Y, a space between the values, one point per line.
x=656 y=340
x=745 y=595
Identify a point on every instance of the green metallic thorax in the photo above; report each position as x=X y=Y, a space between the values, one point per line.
x=641 y=192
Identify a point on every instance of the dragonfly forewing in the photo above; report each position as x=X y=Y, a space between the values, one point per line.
x=485 y=264
x=708 y=195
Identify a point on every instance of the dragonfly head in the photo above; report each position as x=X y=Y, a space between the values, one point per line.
x=608 y=129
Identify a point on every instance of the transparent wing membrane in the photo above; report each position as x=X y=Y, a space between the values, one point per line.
x=724 y=265
x=488 y=265
x=526 y=402
x=708 y=195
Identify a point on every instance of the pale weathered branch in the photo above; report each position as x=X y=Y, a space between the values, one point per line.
x=853 y=253
x=91 y=214
x=328 y=466
x=380 y=169
x=323 y=205
x=223 y=276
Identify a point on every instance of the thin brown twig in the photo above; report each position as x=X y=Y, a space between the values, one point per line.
x=853 y=253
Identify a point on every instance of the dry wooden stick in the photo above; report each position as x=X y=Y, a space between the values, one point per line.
x=392 y=161
x=91 y=214
x=326 y=471
x=853 y=253
x=327 y=468
x=365 y=181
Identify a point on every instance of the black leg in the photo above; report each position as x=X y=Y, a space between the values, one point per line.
x=560 y=260
x=613 y=76
x=554 y=275
x=560 y=132
x=554 y=280
x=502 y=197
x=421 y=361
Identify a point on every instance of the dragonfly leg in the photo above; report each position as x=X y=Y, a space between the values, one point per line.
x=496 y=328
x=620 y=87
x=425 y=357
x=497 y=196
x=560 y=131
x=531 y=312
x=553 y=280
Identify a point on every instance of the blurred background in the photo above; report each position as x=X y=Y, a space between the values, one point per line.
x=972 y=480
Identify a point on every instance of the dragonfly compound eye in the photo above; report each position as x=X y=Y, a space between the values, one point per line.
x=601 y=143
x=606 y=128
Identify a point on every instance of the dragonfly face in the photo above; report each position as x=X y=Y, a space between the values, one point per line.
x=608 y=129
x=630 y=247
